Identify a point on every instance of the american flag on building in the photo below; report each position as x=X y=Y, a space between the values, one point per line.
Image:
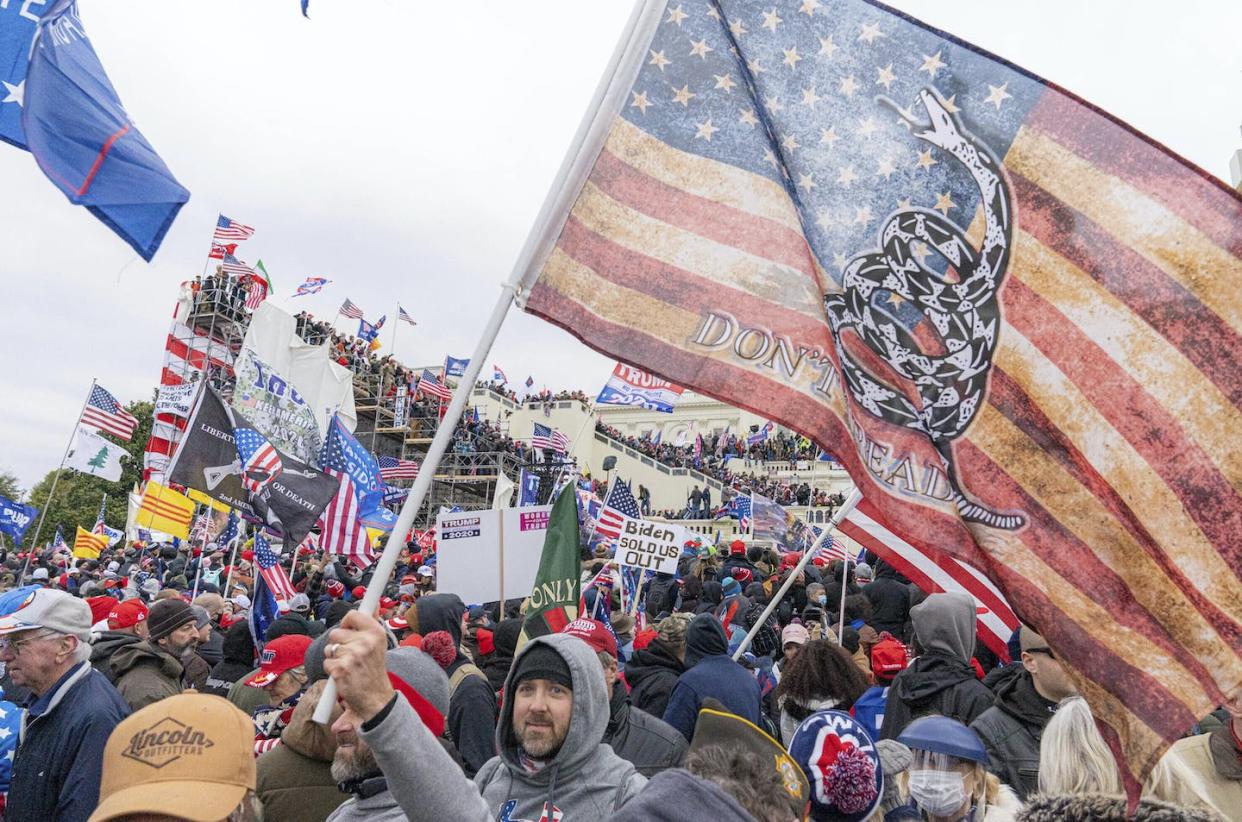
x=350 y=310
x=270 y=569
x=545 y=437
x=104 y=413
x=618 y=504
x=394 y=468
x=259 y=458
x=429 y=386
x=231 y=231
x=995 y=295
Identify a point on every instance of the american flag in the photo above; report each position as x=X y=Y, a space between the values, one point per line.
x=997 y=294
x=392 y=468
x=270 y=569
x=100 y=526
x=545 y=437
x=104 y=413
x=313 y=285
x=260 y=460
x=256 y=293
x=402 y=314
x=350 y=310
x=618 y=504
x=832 y=548
x=429 y=386
x=738 y=507
x=230 y=230
x=498 y=375
x=341 y=532
x=218 y=250
x=231 y=529
x=232 y=265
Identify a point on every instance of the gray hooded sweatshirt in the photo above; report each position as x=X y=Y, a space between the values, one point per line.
x=585 y=780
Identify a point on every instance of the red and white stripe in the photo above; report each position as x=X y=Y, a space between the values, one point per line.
x=278 y=582
x=340 y=531
x=935 y=573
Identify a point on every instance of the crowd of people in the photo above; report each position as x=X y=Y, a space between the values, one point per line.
x=221 y=293
x=135 y=687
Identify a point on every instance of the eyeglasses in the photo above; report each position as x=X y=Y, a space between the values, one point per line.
x=16 y=645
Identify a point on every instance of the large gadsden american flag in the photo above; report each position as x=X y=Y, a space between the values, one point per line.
x=1013 y=318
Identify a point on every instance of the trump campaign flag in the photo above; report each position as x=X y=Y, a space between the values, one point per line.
x=15 y=518
x=73 y=122
x=632 y=386
x=455 y=367
x=986 y=297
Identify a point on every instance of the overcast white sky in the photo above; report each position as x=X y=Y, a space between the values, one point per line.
x=402 y=150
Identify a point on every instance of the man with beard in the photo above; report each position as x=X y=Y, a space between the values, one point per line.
x=416 y=675
x=147 y=672
x=552 y=763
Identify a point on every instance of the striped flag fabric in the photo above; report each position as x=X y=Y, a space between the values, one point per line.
x=104 y=413
x=231 y=231
x=260 y=286
x=934 y=572
x=260 y=461
x=832 y=549
x=618 y=504
x=232 y=265
x=350 y=310
x=163 y=509
x=545 y=437
x=341 y=532
x=220 y=250
x=404 y=315
x=271 y=570
x=87 y=545
x=1025 y=316
x=312 y=285
x=740 y=507
x=394 y=468
x=429 y=386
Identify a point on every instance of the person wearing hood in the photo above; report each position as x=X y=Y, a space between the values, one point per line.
x=941 y=679
x=711 y=595
x=552 y=763
x=237 y=663
x=504 y=644
x=890 y=600
x=472 y=702
x=710 y=673
x=127 y=625
x=652 y=671
x=1025 y=701
x=149 y=671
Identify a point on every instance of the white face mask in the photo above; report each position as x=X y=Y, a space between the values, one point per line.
x=940 y=793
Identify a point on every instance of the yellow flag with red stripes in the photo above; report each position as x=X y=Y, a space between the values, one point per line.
x=163 y=509
x=87 y=545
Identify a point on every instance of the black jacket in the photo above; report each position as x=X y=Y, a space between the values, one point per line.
x=890 y=601
x=1011 y=730
x=935 y=683
x=651 y=745
x=651 y=674
x=102 y=649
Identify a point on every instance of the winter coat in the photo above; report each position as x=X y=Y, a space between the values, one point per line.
x=1011 y=730
x=195 y=671
x=472 y=704
x=647 y=743
x=711 y=673
x=504 y=638
x=145 y=674
x=1203 y=771
x=212 y=651
x=102 y=649
x=295 y=778
x=890 y=601
x=222 y=677
x=58 y=764
x=942 y=680
x=680 y=796
x=585 y=780
x=1097 y=808
x=380 y=806
x=651 y=674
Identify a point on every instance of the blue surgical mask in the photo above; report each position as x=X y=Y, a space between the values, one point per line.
x=821 y=600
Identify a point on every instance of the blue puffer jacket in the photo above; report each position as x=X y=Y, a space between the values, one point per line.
x=711 y=673
x=60 y=756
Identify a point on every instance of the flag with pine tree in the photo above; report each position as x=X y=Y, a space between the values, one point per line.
x=554 y=600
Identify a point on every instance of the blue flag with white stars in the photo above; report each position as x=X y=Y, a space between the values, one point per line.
x=342 y=453
x=18 y=21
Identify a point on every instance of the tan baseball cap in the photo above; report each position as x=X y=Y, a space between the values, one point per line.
x=190 y=756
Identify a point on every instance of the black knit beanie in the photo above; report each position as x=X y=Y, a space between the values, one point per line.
x=166 y=616
x=542 y=661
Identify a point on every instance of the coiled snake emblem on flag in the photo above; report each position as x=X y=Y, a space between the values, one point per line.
x=962 y=304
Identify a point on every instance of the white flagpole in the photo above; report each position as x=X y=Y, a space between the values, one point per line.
x=574 y=166
x=840 y=514
x=34 y=543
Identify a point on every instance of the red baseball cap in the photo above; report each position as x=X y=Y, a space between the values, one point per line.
x=888 y=657
x=127 y=614
x=592 y=633
x=279 y=655
x=335 y=587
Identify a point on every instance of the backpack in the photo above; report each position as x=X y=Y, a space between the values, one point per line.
x=459 y=676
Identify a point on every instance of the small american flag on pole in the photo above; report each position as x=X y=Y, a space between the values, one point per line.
x=619 y=503
x=231 y=231
x=232 y=265
x=392 y=468
x=402 y=314
x=430 y=386
x=271 y=571
x=545 y=437
x=350 y=310
x=832 y=548
x=104 y=413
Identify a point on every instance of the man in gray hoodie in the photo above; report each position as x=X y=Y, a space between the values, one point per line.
x=552 y=762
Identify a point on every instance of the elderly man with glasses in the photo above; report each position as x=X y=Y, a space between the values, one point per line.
x=44 y=646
